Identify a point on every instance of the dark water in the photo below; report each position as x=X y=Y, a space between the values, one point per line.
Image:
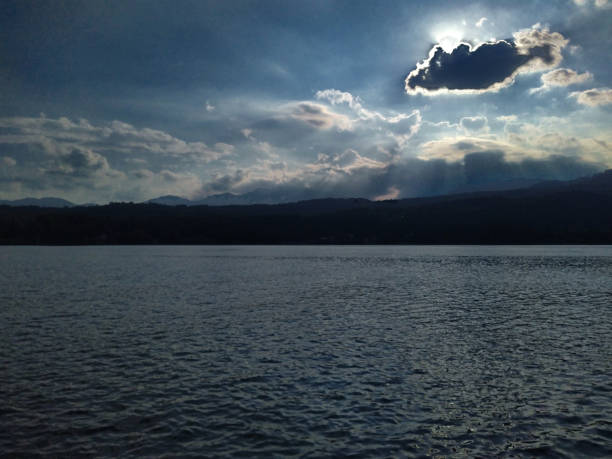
x=306 y=351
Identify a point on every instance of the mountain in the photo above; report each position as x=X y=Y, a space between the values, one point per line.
x=38 y=202
x=598 y=183
x=264 y=196
x=576 y=212
x=170 y=200
x=259 y=196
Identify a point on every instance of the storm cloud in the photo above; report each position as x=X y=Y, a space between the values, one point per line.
x=487 y=67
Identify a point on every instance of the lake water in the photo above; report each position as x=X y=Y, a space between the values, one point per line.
x=306 y=351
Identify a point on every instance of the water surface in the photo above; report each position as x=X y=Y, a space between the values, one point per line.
x=306 y=351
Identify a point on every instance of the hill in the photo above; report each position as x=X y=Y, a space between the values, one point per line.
x=562 y=212
x=38 y=202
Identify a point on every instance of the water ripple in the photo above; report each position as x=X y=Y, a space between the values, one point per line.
x=306 y=351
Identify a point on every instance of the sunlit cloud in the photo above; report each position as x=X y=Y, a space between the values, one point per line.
x=593 y=97
x=481 y=22
x=562 y=77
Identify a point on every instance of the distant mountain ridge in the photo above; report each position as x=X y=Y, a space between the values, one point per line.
x=261 y=196
x=576 y=212
x=601 y=182
x=37 y=202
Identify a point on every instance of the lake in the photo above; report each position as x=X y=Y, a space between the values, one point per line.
x=373 y=351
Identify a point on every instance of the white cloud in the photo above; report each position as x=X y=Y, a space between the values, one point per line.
x=562 y=77
x=481 y=22
x=596 y=3
x=593 y=97
x=537 y=37
x=400 y=126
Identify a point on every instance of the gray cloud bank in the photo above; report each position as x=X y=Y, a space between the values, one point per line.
x=415 y=177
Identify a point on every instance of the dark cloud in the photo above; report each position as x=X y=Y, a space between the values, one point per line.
x=466 y=69
x=489 y=66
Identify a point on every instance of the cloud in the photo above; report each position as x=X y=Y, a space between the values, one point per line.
x=597 y=3
x=142 y=174
x=346 y=161
x=520 y=141
x=593 y=97
x=562 y=77
x=473 y=123
x=481 y=22
x=223 y=183
x=455 y=148
x=336 y=97
x=319 y=116
x=399 y=126
x=487 y=67
x=81 y=163
x=87 y=162
x=334 y=122
x=8 y=161
x=412 y=177
x=60 y=136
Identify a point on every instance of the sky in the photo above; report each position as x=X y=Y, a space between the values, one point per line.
x=128 y=101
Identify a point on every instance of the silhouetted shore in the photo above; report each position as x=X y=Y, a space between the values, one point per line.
x=579 y=212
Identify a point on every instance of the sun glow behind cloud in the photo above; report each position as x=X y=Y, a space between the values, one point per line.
x=448 y=36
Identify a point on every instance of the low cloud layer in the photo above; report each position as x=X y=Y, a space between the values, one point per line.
x=416 y=177
x=487 y=67
x=81 y=160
